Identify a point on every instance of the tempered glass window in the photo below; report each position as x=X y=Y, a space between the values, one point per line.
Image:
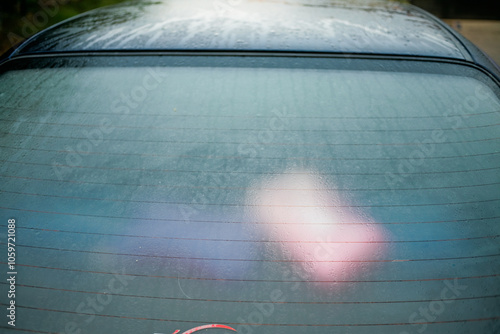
x=271 y=195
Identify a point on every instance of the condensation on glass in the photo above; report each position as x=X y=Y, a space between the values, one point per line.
x=269 y=199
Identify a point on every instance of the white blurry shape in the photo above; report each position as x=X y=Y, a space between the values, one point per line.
x=316 y=227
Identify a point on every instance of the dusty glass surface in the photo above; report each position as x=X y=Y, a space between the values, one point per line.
x=271 y=200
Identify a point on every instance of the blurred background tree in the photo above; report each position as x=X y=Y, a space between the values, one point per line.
x=461 y=9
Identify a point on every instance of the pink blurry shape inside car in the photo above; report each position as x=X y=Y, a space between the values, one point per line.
x=316 y=228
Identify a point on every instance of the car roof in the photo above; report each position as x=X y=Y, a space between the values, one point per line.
x=293 y=25
x=327 y=26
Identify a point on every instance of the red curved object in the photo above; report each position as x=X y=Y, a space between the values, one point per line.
x=199 y=328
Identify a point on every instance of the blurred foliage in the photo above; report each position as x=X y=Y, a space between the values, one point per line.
x=19 y=19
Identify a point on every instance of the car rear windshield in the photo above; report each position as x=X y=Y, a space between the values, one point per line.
x=256 y=194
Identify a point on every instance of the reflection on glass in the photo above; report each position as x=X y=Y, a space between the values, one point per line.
x=315 y=227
